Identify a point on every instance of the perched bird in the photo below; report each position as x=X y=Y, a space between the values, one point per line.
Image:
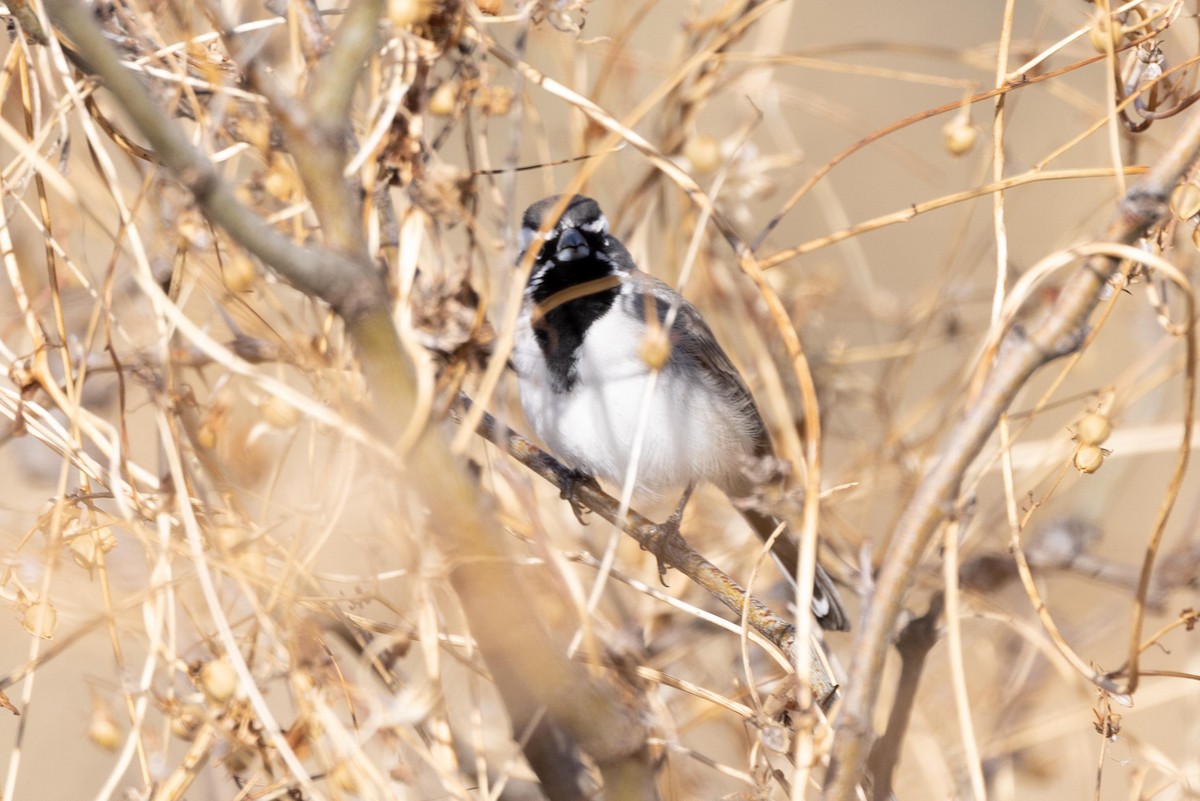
x=581 y=360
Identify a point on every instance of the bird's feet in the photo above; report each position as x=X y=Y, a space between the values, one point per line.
x=661 y=538
x=569 y=489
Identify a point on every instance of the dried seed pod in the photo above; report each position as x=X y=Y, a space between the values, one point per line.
x=89 y=546
x=185 y=722
x=40 y=619
x=218 y=680
x=704 y=152
x=655 y=348
x=1185 y=200
x=405 y=13
x=279 y=182
x=342 y=776
x=443 y=100
x=238 y=759
x=193 y=229
x=1105 y=31
x=226 y=539
x=959 y=135
x=251 y=561
x=279 y=413
x=1088 y=458
x=216 y=417
x=1093 y=428
x=206 y=435
x=103 y=729
x=239 y=273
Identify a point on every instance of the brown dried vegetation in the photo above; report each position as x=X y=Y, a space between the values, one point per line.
x=255 y=546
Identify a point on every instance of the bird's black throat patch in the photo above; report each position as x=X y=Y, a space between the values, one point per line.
x=561 y=318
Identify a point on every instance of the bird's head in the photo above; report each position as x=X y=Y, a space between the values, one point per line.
x=579 y=232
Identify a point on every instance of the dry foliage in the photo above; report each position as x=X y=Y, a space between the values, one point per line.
x=250 y=553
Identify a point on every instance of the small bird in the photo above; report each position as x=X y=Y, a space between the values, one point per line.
x=582 y=366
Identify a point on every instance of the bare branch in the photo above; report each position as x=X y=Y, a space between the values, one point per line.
x=1055 y=331
x=351 y=286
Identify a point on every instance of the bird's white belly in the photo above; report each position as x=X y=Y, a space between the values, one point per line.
x=689 y=434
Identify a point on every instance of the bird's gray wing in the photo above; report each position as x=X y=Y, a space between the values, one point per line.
x=693 y=341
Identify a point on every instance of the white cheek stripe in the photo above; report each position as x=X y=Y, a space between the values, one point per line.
x=596 y=226
x=529 y=234
x=539 y=273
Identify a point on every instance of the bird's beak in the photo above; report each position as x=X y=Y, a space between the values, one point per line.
x=571 y=246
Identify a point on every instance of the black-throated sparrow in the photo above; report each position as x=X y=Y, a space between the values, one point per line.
x=583 y=369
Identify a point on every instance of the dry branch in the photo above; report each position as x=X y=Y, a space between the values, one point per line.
x=1056 y=330
x=914 y=643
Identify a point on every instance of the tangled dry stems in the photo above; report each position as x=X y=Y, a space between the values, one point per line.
x=271 y=575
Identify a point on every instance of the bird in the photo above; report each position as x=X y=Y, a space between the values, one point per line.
x=581 y=358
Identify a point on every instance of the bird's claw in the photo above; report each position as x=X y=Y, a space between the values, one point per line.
x=658 y=538
x=569 y=489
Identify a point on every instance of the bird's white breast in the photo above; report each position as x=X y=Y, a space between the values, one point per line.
x=690 y=434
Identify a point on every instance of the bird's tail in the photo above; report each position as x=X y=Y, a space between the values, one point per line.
x=826 y=603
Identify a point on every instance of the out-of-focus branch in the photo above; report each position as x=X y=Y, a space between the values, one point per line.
x=564 y=706
x=349 y=285
x=675 y=551
x=333 y=83
x=1052 y=332
x=317 y=133
x=27 y=17
x=321 y=146
x=915 y=642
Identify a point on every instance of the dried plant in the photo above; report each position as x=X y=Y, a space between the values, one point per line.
x=271 y=528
